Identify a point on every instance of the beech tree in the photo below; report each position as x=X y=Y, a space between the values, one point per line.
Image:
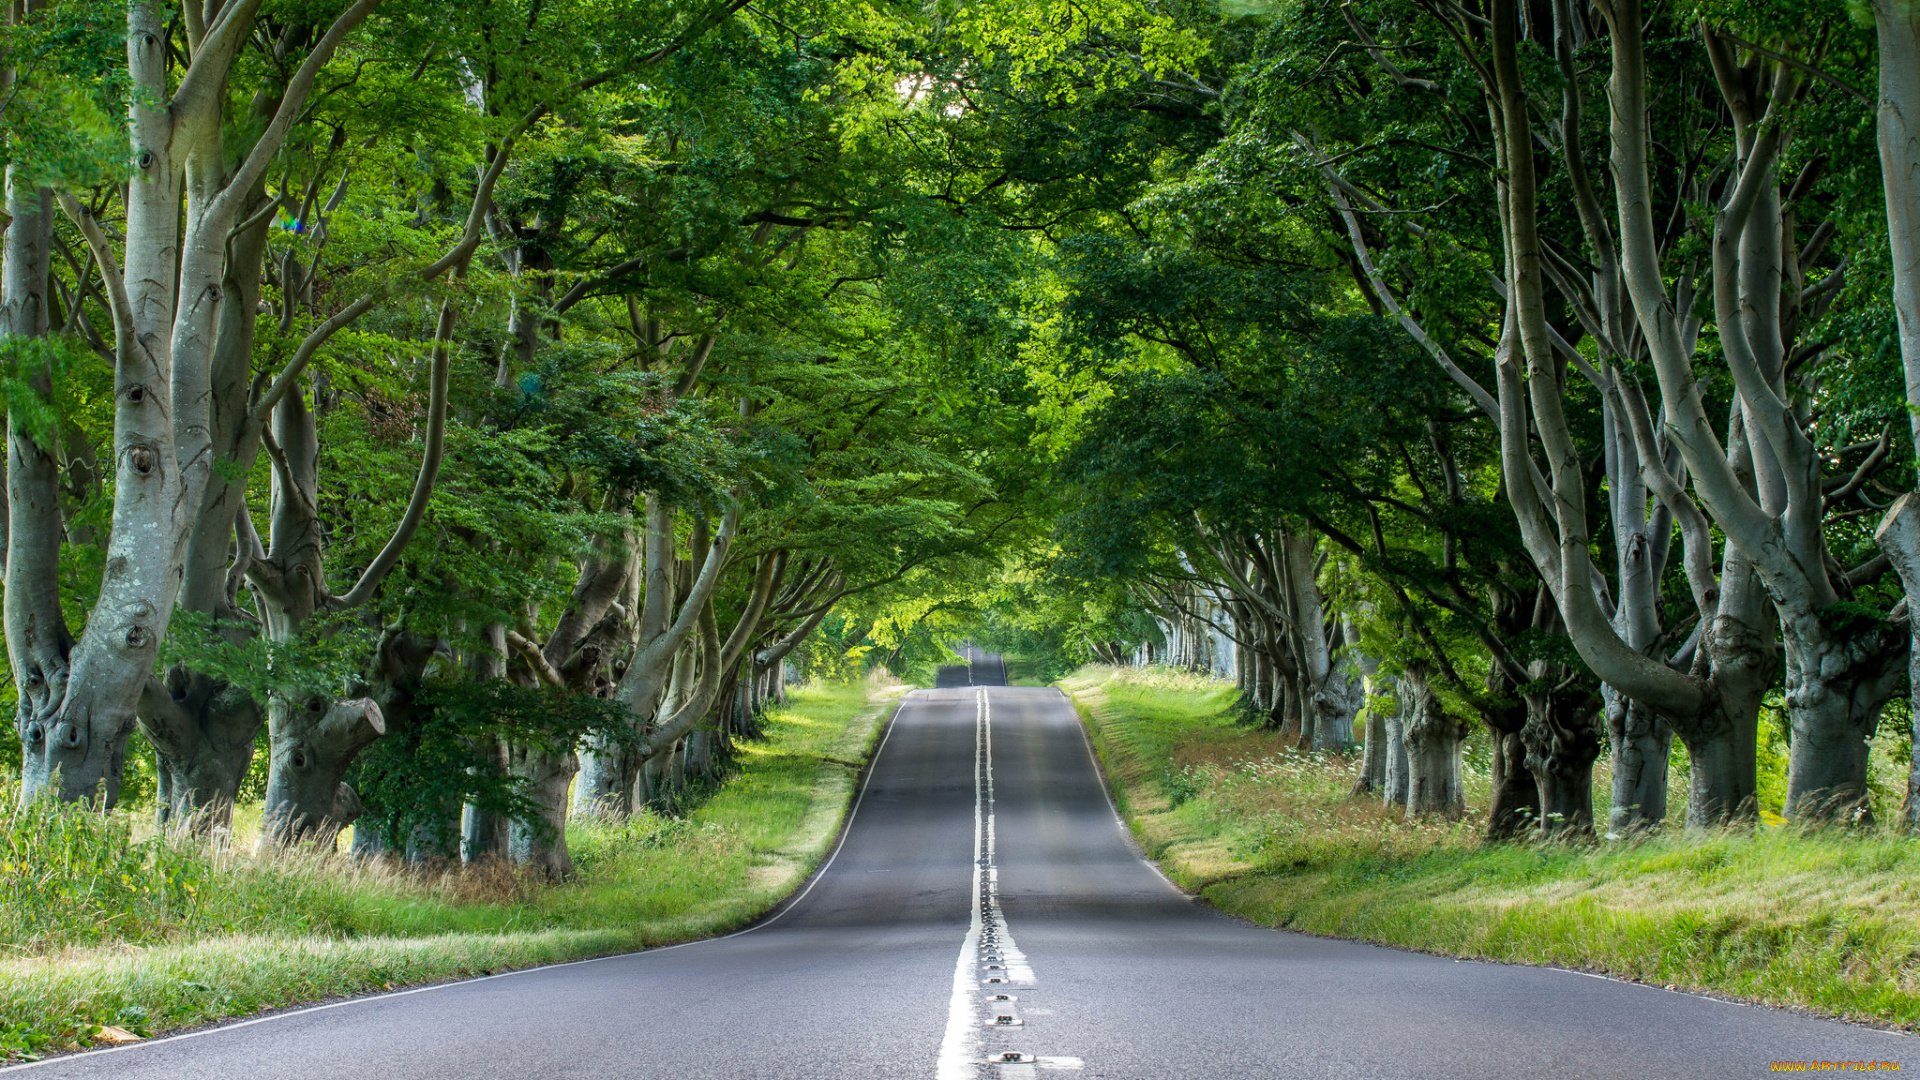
x=164 y=287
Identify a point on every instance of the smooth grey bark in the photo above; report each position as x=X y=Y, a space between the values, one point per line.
x=483 y=833
x=309 y=756
x=1433 y=743
x=540 y=843
x=314 y=741
x=202 y=729
x=1372 y=776
x=699 y=753
x=1515 y=805
x=1562 y=741
x=1563 y=753
x=1639 y=741
x=661 y=633
x=1897 y=23
x=697 y=680
x=1899 y=536
x=1399 y=776
x=1838 y=672
x=1330 y=690
x=1897 y=116
x=1710 y=704
x=38 y=641
x=166 y=312
x=311 y=740
x=591 y=630
x=1837 y=684
x=39 y=645
x=1640 y=744
x=608 y=769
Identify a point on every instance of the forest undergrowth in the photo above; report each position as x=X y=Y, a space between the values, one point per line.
x=113 y=932
x=1825 y=920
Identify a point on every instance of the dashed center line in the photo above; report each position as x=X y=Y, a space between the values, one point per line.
x=990 y=966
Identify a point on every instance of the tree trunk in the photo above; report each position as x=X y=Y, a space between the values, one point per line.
x=1263 y=695
x=1838 y=679
x=1899 y=536
x=1515 y=805
x=202 y=731
x=39 y=645
x=1340 y=695
x=483 y=834
x=1373 y=755
x=699 y=754
x=1562 y=742
x=648 y=782
x=1286 y=708
x=1898 y=25
x=1399 y=770
x=1433 y=741
x=163 y=371
x=314 y=742
x=1898 y=115
x=1641 y=745
x=677 y=769
x=539 y=843
x=605 y=784
x=1722 y=742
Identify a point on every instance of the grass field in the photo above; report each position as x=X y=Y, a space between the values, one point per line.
x=1828 y=921
x=109 y=929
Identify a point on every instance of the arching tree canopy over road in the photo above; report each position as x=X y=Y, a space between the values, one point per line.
x=479 y=407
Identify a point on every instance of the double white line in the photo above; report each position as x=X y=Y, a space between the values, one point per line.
x=990 y=966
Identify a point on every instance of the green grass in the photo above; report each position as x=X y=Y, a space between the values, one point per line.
x=107 y=928
x=1828 y=921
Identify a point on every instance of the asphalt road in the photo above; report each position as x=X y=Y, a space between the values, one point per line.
x=984 y=848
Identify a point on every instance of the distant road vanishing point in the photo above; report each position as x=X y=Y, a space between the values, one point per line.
x=986 y=916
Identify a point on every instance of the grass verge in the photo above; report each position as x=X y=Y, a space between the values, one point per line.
x=1825 y=921
x=157 y=935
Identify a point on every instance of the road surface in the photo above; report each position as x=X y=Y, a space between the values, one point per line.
x=986 y=917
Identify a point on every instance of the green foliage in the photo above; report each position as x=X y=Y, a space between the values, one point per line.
x=414 y=782
x=60 y=116
x=71 y=876
x=326 y=658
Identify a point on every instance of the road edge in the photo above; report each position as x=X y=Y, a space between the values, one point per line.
x=866 y=733
x=1118 y=797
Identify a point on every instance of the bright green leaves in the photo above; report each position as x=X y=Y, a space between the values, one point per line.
x=327 y=658
x=1068 y=49
x=416 y=781
x=44 y=383
x=61 y=112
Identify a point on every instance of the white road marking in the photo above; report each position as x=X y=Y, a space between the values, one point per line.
x=990 y=963
x=960 y=1049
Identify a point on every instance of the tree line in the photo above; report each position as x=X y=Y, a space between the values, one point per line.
x=476 y=407
x=1542 y=366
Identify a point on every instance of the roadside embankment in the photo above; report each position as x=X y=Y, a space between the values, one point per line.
x=1828 y=921
x=140 y=936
